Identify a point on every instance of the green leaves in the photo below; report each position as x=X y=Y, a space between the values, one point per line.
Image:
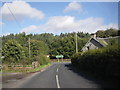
x=12 y=51
x=38 y=47
x=47 y=43
x=107 y=33
x=65 y=45
x=100 y=62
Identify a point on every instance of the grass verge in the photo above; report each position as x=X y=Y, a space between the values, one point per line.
x=25 y=71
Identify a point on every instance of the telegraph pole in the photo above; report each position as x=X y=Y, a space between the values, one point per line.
x=29 y=47
x=76 y=44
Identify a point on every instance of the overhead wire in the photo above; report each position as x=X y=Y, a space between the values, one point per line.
x=13 y=16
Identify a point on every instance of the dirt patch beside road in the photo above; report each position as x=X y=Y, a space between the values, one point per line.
x=7 y=77
x=13 y=76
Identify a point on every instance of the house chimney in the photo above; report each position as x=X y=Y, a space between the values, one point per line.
x=93 y=35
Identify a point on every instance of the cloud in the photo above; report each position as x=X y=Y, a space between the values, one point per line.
x=5 y=34
x=1 y=23
x=58 y=24
x=30 y=28
x=20 y=9
x=73 y=6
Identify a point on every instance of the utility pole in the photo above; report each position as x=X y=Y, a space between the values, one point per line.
x=29 y=47
x=76 y=44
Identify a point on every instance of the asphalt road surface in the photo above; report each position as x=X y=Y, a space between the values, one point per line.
x=59 y=75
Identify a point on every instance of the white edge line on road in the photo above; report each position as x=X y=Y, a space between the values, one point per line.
x=57 y=81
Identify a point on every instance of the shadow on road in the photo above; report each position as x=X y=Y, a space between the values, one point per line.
x=102 y=83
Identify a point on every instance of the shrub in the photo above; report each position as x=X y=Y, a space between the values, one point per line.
x=75 y=58
x=102 y=62
x=42 y=59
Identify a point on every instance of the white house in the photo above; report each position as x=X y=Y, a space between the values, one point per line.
x=94 y=43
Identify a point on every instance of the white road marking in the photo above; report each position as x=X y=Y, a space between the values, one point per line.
x=13 y=80
x=57 y=81
x=57 y=69
x=59 y=66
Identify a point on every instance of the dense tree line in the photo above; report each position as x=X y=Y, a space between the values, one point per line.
x=17 y=45
x=56 y=44
x=18 y=49
x=108 y=33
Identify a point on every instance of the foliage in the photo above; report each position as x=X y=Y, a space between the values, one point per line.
x=12 y=51
x=38 y=47
x=15 y=53
x=102 y=62
x=48 y=43
x=65 y=44
x=42 y=59
x=108 y=33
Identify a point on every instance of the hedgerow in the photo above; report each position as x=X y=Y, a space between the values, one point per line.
x=103 y=62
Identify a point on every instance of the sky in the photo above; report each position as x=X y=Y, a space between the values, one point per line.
x=57 y=17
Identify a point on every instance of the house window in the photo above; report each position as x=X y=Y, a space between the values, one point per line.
x=88 y=47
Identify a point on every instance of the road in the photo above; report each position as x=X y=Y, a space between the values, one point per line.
x=59 y=75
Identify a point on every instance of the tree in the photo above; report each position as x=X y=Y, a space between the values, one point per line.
x=12 y=51
x=118 y=32
x=38 y=47
x=107 y=33
x=47 y=43
x=100 y=33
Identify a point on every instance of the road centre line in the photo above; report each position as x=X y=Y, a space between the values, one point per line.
x=57 y=69
x=57 y=81
x=59 y=66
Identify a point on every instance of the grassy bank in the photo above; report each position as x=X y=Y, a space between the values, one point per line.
x=26 y=71
x=39 y=68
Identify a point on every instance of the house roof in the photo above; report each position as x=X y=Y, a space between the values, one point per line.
x=103 y=42
x=100 y=41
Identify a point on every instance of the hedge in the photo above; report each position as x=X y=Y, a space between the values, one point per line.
x=103 y=62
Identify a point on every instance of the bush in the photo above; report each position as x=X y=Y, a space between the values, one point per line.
x=26 y=61
x=42 y=59
x=102 y=62
x=75 y=58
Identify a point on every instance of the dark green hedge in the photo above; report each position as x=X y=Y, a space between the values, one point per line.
x=104 y=62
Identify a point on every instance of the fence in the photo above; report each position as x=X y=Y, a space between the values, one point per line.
x=60 y=60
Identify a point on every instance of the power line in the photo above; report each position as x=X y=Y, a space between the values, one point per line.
x=14 y=16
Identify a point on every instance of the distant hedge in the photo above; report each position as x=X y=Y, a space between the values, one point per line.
x=104 y=62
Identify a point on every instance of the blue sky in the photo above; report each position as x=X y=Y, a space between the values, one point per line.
x=58 y=17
